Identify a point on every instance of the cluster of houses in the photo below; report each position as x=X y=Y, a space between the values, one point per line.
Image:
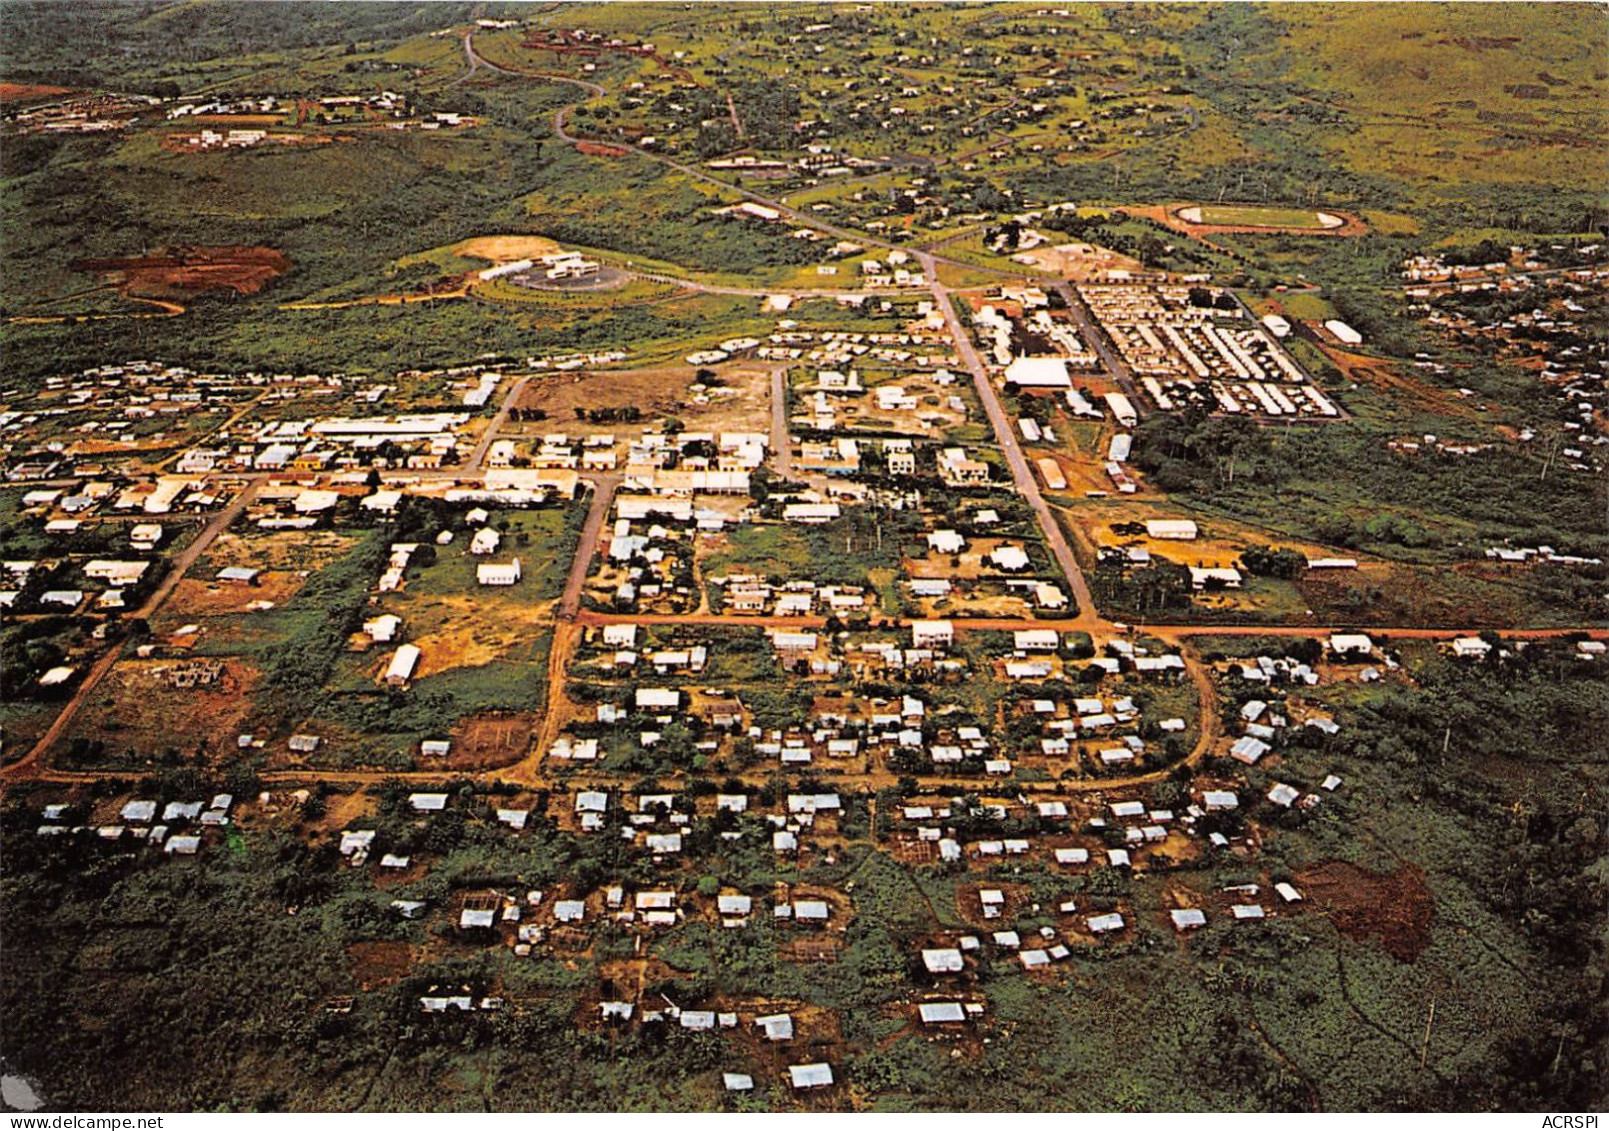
x=83 y=423
x=898 y=112
x=1035 y=951
x=231 y=139
x=1073 y=835
x=648 y=554
x=875 y=274
x=418 y=441
x=82 y=517
x=816 y=160
x=657 y=826
x=1430 y=272
x=686 y=463
x=1264 y=717
x=80 y=114
x=1067 y=719
x=556 y=451
x=62 y=584
x=366 y=107
x=911 y=402
x=1553 y=337
x=752 y=594
x=565 y=361
x=922 y=345
x=1429 y=442
x=1072 y=720
x=1140 y=828
x=1104 y=730
x=1036 y=347
x=177 y=828
x=1479 y=648
x=1527 y=555
x=985 y=557
x=894 y=381
x=387 y=110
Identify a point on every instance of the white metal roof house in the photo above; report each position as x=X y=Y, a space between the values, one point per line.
x=1187 y=918
x=941 y=1012
x=402 y=666
x=488 y=573
x=803 y=1076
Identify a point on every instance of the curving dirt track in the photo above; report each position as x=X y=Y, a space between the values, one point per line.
x=1168 y=215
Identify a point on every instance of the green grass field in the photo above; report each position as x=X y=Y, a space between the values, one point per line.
x=1258 y=216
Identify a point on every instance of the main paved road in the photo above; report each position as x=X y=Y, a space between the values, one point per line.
x=1005 y=436
x=478 y=457
x=603 y=493
x=1096 y=339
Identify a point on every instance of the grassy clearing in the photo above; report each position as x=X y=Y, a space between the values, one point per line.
x=1260 y=216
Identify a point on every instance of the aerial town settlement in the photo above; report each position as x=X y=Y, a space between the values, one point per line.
x=804 y=557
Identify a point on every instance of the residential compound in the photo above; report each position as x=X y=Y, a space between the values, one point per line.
x=1185 y=344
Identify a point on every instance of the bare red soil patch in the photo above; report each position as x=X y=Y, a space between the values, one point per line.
x=492 y=738
x=29 y=92
x=1383 y=375
x=595 y=149
x=185 y=271
x=1392 y=910
x=380 y=963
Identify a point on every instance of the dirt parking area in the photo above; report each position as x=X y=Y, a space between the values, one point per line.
x=1080 y=262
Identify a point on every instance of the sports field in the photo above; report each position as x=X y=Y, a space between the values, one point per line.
x=1257 y=216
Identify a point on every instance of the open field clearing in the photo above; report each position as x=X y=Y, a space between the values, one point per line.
x=1256 y=216
x=738 y=403
x=150 y=713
